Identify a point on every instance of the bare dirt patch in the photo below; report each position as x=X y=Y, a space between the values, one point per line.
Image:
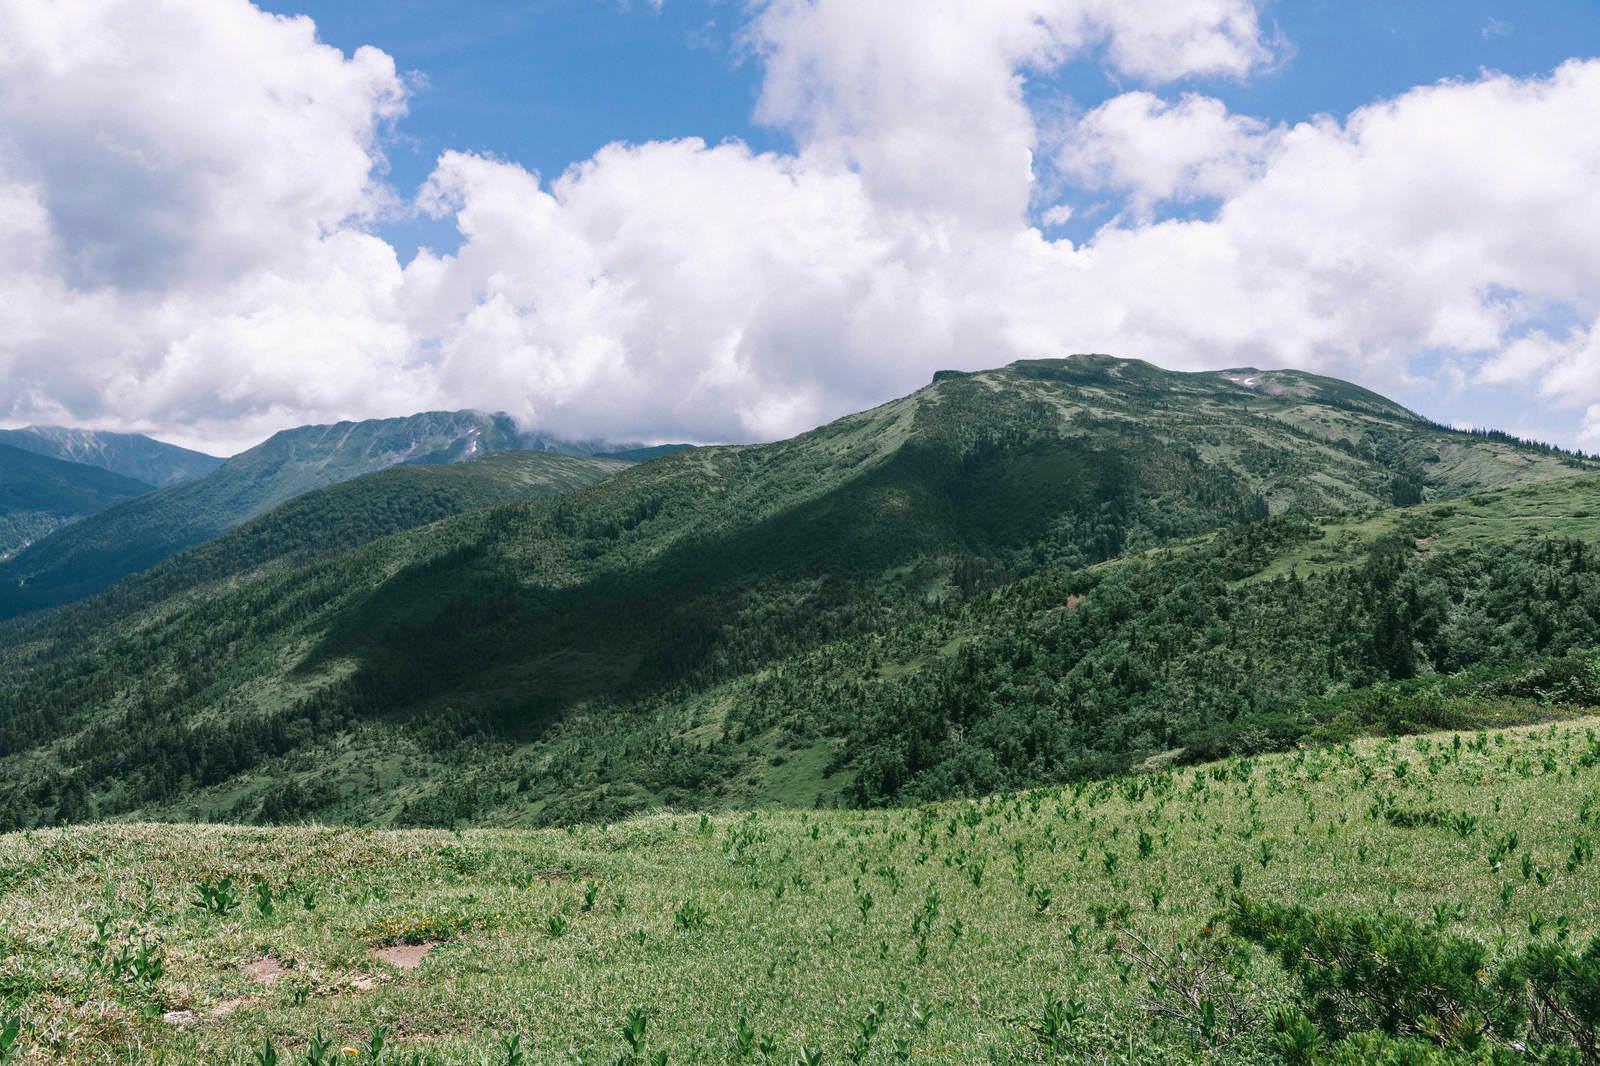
x=405 y=956
x=266 y=969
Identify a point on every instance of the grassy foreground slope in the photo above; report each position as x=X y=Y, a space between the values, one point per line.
x=1022 y=928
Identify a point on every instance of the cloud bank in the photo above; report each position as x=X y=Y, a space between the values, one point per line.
x=191 y=193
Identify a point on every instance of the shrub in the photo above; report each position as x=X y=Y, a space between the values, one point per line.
x=1385 y=974
x=1563 y=992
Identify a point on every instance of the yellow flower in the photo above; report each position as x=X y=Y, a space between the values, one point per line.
x=350 y=1051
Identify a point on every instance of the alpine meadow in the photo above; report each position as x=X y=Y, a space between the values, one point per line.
x=799 y=533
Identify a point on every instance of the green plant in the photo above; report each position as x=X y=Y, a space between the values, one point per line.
x=744 y=1037
x=689 y=917
x=511 y=1051
x=634 y=1024
x=265 y=905
x=1582 y=852
x=1382 y=973
x=1563 y=990
x=1041 y=896
x=10 y=1040
x=216 y=897
x=1056 y=1022
x=1297 y=1037
x=376 y=1038
x=266 y=1054
x=318 y=1050
x=865 y=1030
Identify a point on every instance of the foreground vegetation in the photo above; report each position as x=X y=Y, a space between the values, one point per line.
x=1427 y=899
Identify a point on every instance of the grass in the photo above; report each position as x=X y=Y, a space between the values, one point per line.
x=990 y=931
x=1556 y=508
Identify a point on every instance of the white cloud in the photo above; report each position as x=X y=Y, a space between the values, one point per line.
x=178 y=180
x=926 y=98
x=1152 y=151
x=187 y=189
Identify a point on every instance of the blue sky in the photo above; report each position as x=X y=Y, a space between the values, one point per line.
x=479 y=204
x=547 y=83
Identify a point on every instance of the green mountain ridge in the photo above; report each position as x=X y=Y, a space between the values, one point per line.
x=330 y=520
x=40 y=494
x=144 y=531
x=616 y=647
x=129 y=454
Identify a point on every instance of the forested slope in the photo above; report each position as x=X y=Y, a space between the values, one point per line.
x=156 y=526
x=39 y=495
x=132 y=455
x=788 y=620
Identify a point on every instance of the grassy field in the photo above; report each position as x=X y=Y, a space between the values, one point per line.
x=1006 y=930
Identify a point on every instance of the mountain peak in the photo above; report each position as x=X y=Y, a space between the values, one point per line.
x=133 y=455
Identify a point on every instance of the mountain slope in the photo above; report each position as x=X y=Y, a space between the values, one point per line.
x=610 y=640
x=143 y=532
x=327 y=521
x=39 y=495
x=129 y=454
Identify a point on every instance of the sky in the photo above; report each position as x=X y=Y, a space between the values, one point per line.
x=719 y=220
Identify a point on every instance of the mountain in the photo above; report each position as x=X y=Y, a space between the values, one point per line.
x=39 y=495
x=143 y=532
x=805 y=619
x=327 y=521
x=132 y=455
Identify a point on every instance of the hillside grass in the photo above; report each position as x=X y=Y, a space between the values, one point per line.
x=964 y=920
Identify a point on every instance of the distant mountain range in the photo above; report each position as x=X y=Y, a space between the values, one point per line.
x=220 y=494
x=91 y=554
x=885 y=608
x=39 y=495
x=129 y=454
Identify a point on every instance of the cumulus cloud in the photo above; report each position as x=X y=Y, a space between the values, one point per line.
x=926 y=99
x=190 y=193
x=1152 y=151
x=179 y=181
x=1449 y=219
